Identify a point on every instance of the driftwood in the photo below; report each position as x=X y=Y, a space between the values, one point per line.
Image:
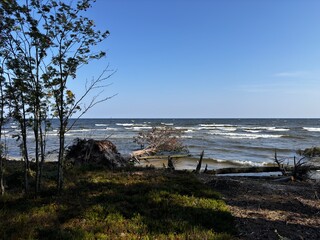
x=162 y=157
x=143 y=153
x=170 y=164
x=252 y=170
x=243 y=170
x=200 y=162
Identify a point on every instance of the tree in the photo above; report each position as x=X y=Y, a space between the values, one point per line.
x=158 y=139
x=46 y=43
x=2 y=120
x=72 y=38
x=24 y=51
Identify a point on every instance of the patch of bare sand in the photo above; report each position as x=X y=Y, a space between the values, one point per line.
x=267 y=209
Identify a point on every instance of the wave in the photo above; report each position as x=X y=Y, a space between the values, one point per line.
x=189 y=137
x=240 y=162
x=101 y=125
x=140 y=128
x=216 y=125
x=249 y=163
x=252 y=131
x=167 y=124
x=80 y=130
x=189 y=130
x=125 y=124
x=223 y=128
x=260 y=129
x=204 y=126
x=293 y=137
x=311 y=129
x=245 y=135
x=111 y=129
x=280 y=129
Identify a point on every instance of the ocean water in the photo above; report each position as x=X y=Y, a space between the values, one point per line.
x=224 y=141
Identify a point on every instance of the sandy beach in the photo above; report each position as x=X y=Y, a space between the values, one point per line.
x=268 y=209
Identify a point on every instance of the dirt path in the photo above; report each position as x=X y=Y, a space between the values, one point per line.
x=265 y=209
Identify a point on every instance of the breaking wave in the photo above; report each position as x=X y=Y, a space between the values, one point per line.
x=311 y=129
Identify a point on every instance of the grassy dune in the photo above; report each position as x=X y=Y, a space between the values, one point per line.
x=131 y=204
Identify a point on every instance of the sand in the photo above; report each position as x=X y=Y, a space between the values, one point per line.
x=267 y=209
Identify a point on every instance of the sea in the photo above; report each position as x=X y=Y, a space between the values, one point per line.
x=225 y=142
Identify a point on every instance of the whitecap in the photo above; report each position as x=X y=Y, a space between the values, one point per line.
x=101 y=125
x=167 y=124
x=242 y=162
x=312 y=129
x=252 y=131
x=80 y=130
x=111 y=129
x=125 y=124
x=275 y=129
x=140 y=128
x=245 y=135
x=189 y=131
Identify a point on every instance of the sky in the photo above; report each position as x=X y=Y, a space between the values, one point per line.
x=208 y=58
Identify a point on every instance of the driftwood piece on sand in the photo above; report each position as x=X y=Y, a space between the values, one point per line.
x=251 y=170
x=200 y=162
x=170 y=164
x=243 y=170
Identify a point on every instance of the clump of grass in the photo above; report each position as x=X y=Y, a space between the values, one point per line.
x=135 y=204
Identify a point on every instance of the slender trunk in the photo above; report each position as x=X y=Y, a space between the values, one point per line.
x=62 y=121
x=23 y=125
x=60 y=158
x=36 y=136
x=2 y=190
x=1 y=177
x=62 y=130
x=42 y=153
x=37 y=126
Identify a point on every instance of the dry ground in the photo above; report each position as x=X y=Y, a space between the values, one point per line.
x=269 y=209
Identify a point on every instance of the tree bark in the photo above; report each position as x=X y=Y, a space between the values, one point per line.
x=200 y=162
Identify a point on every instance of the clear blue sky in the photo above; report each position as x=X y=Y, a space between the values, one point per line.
x=209 y=58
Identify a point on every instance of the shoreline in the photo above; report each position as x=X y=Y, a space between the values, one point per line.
x=268 y=209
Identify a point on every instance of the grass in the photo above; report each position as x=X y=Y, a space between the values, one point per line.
x=131 y=204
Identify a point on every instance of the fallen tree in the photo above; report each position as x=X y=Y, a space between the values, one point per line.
x=99 y=152
x=157 y=140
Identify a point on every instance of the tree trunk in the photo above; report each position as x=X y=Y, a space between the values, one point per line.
x=42 y=149
x=2 y=190
x=1 y=177
x=60 y=163
x=36 y=137
x=170 y=164
x=23 y=125
x=200 y=163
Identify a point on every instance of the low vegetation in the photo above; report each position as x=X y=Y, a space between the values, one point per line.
x=131 y=204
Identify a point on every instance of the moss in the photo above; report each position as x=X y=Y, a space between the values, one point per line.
x=135 y=204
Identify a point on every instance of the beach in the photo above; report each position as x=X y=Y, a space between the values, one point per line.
x=265 y=208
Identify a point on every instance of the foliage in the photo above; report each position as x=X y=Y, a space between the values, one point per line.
x=133 y=204
x=43 y=44
x=161 y=139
